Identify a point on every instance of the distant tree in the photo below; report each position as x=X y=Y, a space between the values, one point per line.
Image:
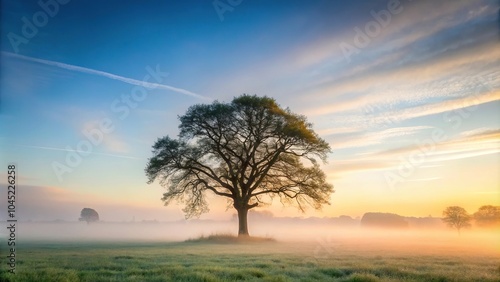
x=487 y=216
x=248 y=151
x=345 y=220
x=456 y=217
x=89 y=215
x=385 y=220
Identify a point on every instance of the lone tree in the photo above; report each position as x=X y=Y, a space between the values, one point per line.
x=488 y=216
x=456 y=217
x=248 y=151
x=89 y=215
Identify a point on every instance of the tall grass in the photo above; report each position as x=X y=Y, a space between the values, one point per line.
x=227 y=238
x=197 y=261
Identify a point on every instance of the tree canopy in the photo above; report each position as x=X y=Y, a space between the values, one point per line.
x=456 y=217
x=89 y=215
x=249 y=151
x=488 y=216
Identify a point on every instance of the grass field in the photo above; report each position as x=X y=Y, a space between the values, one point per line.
x=263 y=261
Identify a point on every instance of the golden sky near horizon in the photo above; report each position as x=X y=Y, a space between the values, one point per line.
x=412 y=113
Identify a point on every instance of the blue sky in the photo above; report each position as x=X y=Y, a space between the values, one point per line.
x=424 y=71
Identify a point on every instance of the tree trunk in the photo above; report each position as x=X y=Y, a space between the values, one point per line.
x=242 y=222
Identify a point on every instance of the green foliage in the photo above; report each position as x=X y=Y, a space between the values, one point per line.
x=230 y=239
x=248 y=151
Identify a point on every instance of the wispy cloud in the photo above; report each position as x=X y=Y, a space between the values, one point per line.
x=415 y=62
x=442 y=107
x=457 y=148
x=485 y=143
x=424 y=179
x=150 y=85
x=376 y=137
x=77 y=151
x=479 y=131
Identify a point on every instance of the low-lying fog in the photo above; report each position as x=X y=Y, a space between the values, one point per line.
x=318 y=232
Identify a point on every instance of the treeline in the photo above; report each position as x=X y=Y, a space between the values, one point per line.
x=487 y=216
x=391 y=220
